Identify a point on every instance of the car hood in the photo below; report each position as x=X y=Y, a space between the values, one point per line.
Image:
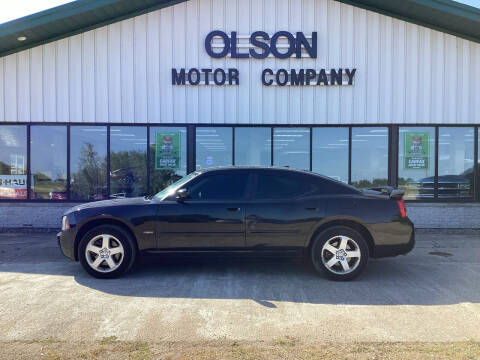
x=113 y=202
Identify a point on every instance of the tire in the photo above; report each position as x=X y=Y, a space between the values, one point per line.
x=109 y=259
x=327 y=255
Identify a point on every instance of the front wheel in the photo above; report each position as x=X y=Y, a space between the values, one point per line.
x=106 y=251
x=340 y=252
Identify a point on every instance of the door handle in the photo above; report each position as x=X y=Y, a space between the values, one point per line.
x=311 y=208
x=233 y=209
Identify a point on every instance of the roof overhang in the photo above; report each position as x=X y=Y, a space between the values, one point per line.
x=83 y=15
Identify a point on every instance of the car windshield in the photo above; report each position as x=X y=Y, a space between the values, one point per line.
x=169 y=190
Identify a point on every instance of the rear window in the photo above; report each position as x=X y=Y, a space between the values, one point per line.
x=271 y=187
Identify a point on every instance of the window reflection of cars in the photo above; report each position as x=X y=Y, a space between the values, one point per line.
x=449 y=186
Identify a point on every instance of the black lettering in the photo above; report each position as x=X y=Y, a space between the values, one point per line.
x=336 y=77
x=297 y=79
x=208 y=44
x=285 y=77
x=264 y=74
x=235 y=54
x=233 y=77
x=302 y=40
x=178 y=79
x=215 y=77
x=193 y=80
x=207 y=72
x=311 y=73
x=322 y=77
x=291 y=43
x=350 y=74
x=260 y=44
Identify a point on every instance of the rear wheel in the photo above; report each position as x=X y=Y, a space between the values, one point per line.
x=107 y=251
x=340 y=252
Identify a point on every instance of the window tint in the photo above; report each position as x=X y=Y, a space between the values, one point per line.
x=271 y=187
x=219 y=187
x=369 y=157
x=213 y=147
x=13 y=162
x=49 y=162
x=253 y=146
x=88 y=162
x=128 y=161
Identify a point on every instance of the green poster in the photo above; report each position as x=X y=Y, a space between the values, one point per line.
x=416 y=150
x=167 y=150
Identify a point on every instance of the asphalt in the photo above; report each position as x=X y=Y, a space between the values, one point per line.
x=432 y=294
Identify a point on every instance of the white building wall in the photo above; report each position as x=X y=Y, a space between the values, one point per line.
x=122 y=72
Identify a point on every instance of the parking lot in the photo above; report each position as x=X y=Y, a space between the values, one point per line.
x=432 y=294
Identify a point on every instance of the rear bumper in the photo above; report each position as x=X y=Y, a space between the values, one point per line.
x=399 y=239
x=66 y=242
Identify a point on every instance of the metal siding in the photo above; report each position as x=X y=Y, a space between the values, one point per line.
x=406 y=73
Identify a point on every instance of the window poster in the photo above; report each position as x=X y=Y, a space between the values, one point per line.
x=416 y=150
x=167 y=150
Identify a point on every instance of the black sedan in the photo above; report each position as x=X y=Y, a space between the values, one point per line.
x=243 y=209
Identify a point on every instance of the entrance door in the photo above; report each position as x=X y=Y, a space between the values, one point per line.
x=213 y=215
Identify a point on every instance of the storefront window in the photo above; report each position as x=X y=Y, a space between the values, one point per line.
x=213 y=147
x=168 y=156
x=128 y=161
x=369 y=157
x=253 y=146
x=455 y=162
x=416 y=162
x=88 y=162
x=49 y=162
x=291 y=147
x=330 y=152
x=13 y=162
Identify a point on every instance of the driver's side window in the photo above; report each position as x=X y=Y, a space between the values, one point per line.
x=219 y=187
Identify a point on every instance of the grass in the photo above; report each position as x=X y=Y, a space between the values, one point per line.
x=284 y=349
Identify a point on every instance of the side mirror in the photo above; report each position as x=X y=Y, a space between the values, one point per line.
x=182 y=194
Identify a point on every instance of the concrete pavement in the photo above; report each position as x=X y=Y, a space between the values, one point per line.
x=432 y=294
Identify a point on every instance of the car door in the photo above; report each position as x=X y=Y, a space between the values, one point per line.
x=212 y=216
x=282 y=211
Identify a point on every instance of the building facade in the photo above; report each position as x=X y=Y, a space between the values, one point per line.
x=126 y=106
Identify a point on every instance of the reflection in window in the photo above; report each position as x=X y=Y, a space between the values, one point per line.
x=213 y=147
x=13 y=162
x=128 y=161
x=455 y=162
x=291 y=147
x=219 y=187
x=330 y=152
x=88 y=162
x=369 y=157
x=49 y=162
x=253 y=146
x=416 y=162
x=168 y=156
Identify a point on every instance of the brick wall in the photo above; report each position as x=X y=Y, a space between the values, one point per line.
x=423 y=215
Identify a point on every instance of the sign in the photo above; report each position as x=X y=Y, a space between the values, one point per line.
x=416 y=150
x=13 y=186
x=167 y=150
x=260 y=45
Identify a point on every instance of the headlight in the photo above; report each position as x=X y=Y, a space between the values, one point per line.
x=65 y=223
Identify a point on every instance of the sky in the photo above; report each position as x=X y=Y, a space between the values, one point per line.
x=14 y=9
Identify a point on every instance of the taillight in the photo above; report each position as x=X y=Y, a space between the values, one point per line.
x=401 y=207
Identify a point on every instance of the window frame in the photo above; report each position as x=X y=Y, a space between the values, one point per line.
x=393 y=146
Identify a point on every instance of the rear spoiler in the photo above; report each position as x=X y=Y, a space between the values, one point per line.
x=386 y=191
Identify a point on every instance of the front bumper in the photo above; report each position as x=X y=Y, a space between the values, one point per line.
x=66 y=242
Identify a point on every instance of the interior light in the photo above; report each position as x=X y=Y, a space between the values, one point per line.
x=21 y=38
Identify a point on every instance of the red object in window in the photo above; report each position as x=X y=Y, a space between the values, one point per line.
x=401 y=207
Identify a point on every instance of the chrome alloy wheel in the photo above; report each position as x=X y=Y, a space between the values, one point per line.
x=341 y=255
x=104 y=253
